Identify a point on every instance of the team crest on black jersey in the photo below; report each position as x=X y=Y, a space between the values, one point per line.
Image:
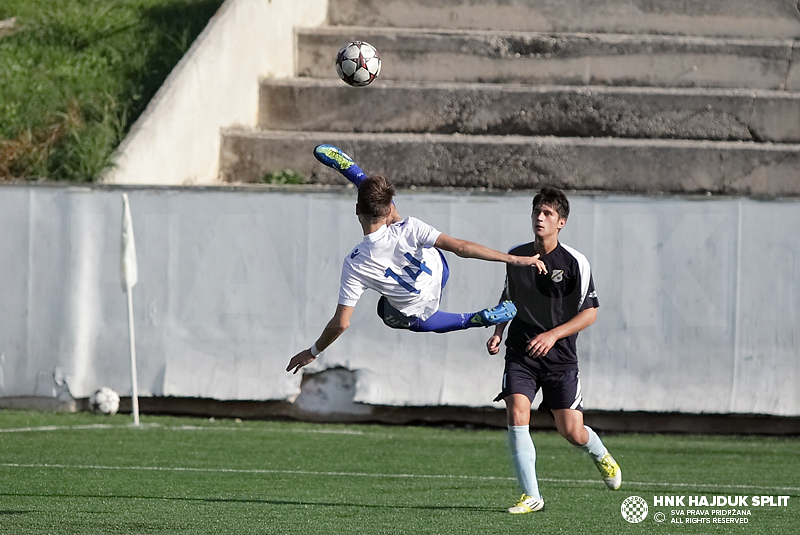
x=557 y=275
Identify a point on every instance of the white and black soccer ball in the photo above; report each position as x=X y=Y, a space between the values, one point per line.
x=104 y=401
x=358 y=63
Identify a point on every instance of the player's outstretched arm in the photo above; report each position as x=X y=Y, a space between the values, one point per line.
x=468 y=249
x=335 y=327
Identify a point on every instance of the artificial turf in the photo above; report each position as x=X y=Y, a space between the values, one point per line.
x=79 y=473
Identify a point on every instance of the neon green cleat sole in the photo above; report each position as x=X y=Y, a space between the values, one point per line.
x=335 y=158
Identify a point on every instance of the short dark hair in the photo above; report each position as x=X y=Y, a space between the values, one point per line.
x=554 y=198
x=375 y=196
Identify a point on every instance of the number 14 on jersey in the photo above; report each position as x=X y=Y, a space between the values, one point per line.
x=412 y=272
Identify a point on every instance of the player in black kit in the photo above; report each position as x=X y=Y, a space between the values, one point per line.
x=552 y=308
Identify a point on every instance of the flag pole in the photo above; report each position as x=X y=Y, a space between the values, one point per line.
x=130 y=276
x=134 y=380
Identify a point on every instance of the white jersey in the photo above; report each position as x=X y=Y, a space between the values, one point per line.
x=399 y=262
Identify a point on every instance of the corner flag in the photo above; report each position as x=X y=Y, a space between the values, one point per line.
x=130 y=272
x=130 y=276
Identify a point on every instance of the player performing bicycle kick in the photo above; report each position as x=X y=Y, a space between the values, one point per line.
x=402 y=260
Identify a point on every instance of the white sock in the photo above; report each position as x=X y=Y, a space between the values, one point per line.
x=594 y=446
x=523 y=453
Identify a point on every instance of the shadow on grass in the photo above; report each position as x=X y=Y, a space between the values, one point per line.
x=256 y=501
x=393 y=506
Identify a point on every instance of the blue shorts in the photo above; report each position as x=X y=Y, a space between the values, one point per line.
x=397 y=320
x=561 y=389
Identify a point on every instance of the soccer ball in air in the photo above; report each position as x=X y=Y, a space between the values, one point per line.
x=104 y=401
x=358 y=63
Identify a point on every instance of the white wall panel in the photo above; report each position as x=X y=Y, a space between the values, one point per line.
x=699 y=297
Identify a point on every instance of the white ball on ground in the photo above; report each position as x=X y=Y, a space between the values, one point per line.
x=104 y=401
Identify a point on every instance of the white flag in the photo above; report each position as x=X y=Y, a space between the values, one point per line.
x=130 y=273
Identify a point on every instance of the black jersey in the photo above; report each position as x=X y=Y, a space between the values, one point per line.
x=547 y=300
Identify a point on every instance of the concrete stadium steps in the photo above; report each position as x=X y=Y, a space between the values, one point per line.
x=570 y=111
x=520 y=162
x=422 y=55
x=640 y=96
x=741 y=18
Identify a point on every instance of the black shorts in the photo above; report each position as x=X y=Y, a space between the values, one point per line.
x=561 y=389
x=392 y=317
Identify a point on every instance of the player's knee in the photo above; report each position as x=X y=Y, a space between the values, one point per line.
x=575 y=435
x=516 y=419
x=572 y=438
x=519 y=416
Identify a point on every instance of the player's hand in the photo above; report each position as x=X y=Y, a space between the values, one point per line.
x=532 y=261
x=541 y=344
x=493 y=344
x=301 y=359
x=539 y=265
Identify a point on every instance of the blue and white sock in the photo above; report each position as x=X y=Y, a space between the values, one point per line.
x=594 y=446
x=523 y=453
x=354 y=174
x=444 y=322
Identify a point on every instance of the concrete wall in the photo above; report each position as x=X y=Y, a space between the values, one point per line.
x=742 y=18
x=699 y=298
x=215 y=85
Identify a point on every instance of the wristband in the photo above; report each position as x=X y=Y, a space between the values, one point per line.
x=314 y=351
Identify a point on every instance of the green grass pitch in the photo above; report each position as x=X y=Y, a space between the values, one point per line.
x=79 y=473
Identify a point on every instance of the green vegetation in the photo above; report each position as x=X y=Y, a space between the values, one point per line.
x=78 y=473
x=286 y=176
x=77 y=73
